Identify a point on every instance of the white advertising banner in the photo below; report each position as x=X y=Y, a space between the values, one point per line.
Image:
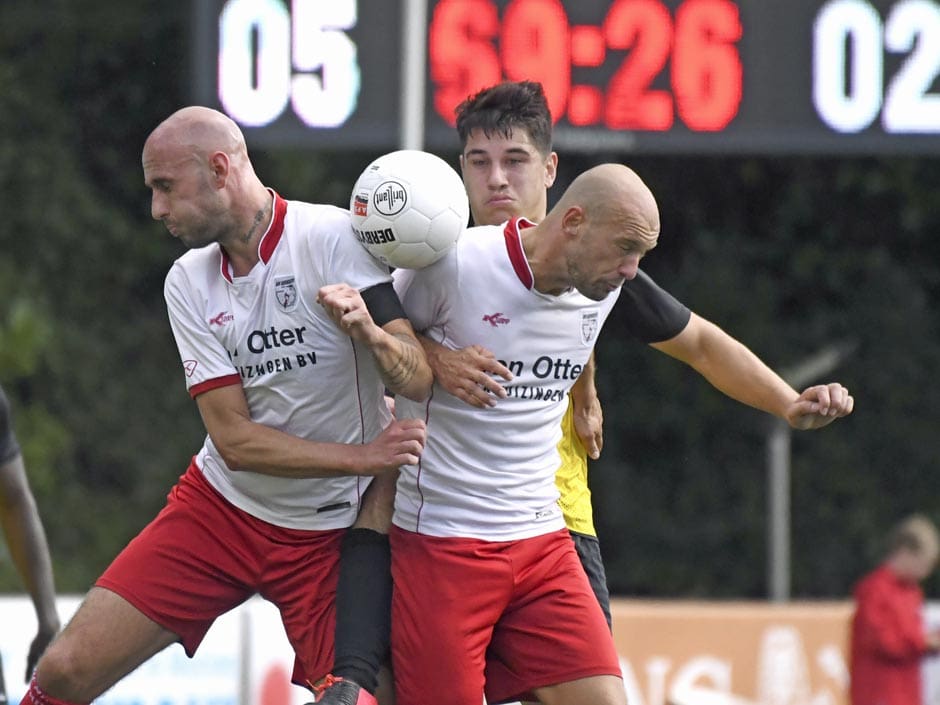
x=672 y=653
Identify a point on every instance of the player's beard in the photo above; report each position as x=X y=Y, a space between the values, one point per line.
x=592 y=289
x=208 y=228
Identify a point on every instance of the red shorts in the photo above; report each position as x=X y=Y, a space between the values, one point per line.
x=503 y=617
x=201 y=556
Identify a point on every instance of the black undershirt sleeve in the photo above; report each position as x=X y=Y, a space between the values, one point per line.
x=383 y=303
x=648 y=312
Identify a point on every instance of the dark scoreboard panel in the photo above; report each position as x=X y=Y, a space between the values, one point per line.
x=649 y=76
x=305 y=73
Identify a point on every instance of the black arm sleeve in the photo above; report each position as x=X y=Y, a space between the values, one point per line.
x=383 y=303
x=648 y=312
x=9 y=448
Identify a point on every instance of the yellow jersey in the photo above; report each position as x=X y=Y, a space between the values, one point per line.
x=571 y=478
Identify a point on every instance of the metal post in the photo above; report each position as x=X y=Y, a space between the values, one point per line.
x=779 y=436
x=414 y=49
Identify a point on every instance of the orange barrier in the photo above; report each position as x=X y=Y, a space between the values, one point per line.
x=733 y=653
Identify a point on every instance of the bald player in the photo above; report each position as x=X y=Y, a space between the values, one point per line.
x=289 y=332
x=485 y=571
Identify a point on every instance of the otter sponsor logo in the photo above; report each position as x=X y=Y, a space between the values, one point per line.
x=390 y=198
x=375 y=237
x=260 y=340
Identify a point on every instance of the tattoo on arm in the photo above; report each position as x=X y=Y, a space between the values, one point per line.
x=402 y=369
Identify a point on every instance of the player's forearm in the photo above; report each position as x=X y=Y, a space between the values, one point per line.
x=736 y=371
x=29 y=552
x=730 y=367
x=584 y=390
x=258 y=448
x=403 y=366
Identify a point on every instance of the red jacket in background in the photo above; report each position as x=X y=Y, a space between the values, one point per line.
x=887 y=643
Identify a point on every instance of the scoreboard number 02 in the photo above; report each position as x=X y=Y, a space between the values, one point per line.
x=850 y=89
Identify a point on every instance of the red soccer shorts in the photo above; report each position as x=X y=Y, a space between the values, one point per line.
x=513 y=615
x=201 y=556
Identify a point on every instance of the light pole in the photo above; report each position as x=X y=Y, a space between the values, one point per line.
x=815 y=366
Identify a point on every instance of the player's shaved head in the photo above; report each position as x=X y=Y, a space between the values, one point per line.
x=199 y=131
x=614 y=192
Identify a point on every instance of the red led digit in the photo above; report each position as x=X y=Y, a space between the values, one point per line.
x=585 y=106
x=706 y=65
x=644 y=29
x=461 y=52
x=535 y=46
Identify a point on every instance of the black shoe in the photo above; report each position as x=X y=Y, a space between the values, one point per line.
x=337 y=691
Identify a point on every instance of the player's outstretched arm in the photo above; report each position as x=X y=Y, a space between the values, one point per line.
x=247 y=445
x=468 y=373
x=733 y=369
x=588 y=415
x=29 y=550
x=400 y=358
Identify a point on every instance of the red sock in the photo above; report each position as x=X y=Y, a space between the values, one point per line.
x=37 y=696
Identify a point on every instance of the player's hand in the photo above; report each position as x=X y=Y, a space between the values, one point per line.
x=819 y=406
x=346 y=308
x=399 y=444
x=589 y=425
x=42 y=639
x=469 y=373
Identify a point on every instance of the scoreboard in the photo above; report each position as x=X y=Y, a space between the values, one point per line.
x=644 y=76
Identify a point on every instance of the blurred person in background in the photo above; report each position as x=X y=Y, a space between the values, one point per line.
x=25 y=537
x=888 y=638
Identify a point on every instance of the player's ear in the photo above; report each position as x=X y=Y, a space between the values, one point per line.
x=551 y=169
x=219 y=167
x=571 y=220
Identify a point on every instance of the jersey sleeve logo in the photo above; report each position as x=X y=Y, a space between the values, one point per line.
x=589 y=324
x=189 y=367
x=285 y=292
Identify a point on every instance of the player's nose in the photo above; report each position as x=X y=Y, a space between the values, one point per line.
x=629 y=266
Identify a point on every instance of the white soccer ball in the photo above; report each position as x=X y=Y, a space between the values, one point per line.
x=408 y=208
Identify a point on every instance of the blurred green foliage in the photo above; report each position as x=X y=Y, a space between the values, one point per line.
x=788 y=254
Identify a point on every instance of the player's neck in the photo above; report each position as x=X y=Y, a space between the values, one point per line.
x=242 y=248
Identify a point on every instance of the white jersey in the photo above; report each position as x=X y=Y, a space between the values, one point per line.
x=490 y=473
x=300 y=373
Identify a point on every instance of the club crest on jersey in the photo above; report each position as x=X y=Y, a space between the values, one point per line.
x=589 y=325
x=285 y=291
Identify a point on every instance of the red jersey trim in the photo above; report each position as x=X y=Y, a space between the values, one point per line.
x=269 y=240
x=516 y=253
x=215 y=383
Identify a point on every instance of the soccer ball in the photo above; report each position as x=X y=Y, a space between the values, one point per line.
x=408 y=208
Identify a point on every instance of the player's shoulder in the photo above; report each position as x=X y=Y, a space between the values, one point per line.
x=479 y=238
x=196 y=262
x=318 y=221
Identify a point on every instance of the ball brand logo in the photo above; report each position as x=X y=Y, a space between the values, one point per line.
x=360 y=205
x=390 y=198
